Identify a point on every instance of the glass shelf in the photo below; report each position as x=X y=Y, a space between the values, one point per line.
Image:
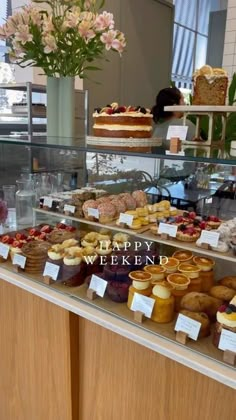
x=192 y=153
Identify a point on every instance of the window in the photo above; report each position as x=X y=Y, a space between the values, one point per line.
x=5 y=11
x=190 y=39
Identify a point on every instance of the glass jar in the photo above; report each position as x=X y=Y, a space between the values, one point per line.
x=9 y=196
x=25 y=202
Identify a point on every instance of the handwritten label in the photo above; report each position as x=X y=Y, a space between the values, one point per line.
x=4 y=251
x=98 y=285
x=168 y=229
x=179 y=131
x=188 y=325
x=93 y=213
x=209 y=237
x=143 y=304
x=51 y=270
x=70 y=209
x=227 y=340
x=47 y=202
x=19 y=260
x=126 y=218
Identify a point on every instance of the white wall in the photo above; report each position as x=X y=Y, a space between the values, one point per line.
x=229 y=59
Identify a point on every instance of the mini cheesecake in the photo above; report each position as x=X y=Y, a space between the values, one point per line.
x=178 y=281
x=183 y=256
x=205 y=264
x=171 y=264
x=190 y=270
x=157 y=272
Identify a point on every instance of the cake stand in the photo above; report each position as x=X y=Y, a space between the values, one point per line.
x=135 y=144
x=198 y=111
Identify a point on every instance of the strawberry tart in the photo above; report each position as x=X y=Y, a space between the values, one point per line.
x=122 y=122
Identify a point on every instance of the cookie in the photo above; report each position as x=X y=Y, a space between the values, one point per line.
x=35 y=250
x=229 y=281
x=222 y=292
x=202 y=318
x=59 y=236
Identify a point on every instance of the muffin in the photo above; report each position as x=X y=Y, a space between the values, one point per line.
x=118 y=291
x=226 y=319
x=90 y=239
x=163 y=310
x=55 y=256
x=73 y=269
x=140 y=284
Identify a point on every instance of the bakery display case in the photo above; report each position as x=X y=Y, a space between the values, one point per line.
x=141 y=244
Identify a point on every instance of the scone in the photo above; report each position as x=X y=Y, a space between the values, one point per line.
x=202 y=318
x=229 y=281
x=222 y=292
x=200 y=302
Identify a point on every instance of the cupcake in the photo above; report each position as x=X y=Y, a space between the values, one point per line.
x=171 y=264
x=73 y=269
x=104 y=248
x=140 y=284
x=119 y=240
x=107 y=212
x=226 y=319
x=183 y=255
x=118 y=291
x=90 y=239
x=140 y=198
x=157 y=272
x=163 y=310
x=55 y=256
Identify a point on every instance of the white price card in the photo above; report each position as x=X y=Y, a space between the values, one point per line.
x=93 y=213
x=126 y=218
x=47 y=202
x=51 y=270
x=19 y=260
x=227 y=340
x=209 y=237
x=4 y=251
x=168 y=229
x=98 y=285
x=70 y=209
x=143 y=304
x=179 y=131
x=188 y=325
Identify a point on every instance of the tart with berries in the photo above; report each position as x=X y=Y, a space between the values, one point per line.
x=213 y=222
x=187 y=234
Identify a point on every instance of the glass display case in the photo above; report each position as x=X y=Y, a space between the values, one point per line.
x=118 y=215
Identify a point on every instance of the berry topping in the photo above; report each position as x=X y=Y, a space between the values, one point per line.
x=228 y=311
x=192 y=215
x=42 y=236
x=70 y=228
x=179 y=219
x=232 y=307
x=222 y=308
x=34 y=232
x=143 y=110
x=61 y=226
x=203 y=225
x=213 y=219
x=5 y=239
x=20 y=236
x=110 y=111
x=17 y=244
x=46 y=229
x=121 y=109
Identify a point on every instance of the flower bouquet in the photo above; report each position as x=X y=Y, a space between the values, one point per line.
x=61 y=36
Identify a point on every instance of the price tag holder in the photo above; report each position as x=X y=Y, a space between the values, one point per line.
x=126 y=218
x=69 y=209
x=4 y=251
x=179 y=131
x=51 y=270
x=98 y=285
x=188 y=326
x=19 y=260
x=143 y=304
x=93 y=213
x=47 y=202
x=227 y=340
x=209 y=238
x=170 y=230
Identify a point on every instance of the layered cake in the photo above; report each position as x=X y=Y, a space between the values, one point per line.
x=210 y=86
x=122 y=122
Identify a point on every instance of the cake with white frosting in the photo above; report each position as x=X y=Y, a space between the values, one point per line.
x=122 y=122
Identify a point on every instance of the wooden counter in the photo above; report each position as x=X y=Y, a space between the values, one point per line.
x=64 y=360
